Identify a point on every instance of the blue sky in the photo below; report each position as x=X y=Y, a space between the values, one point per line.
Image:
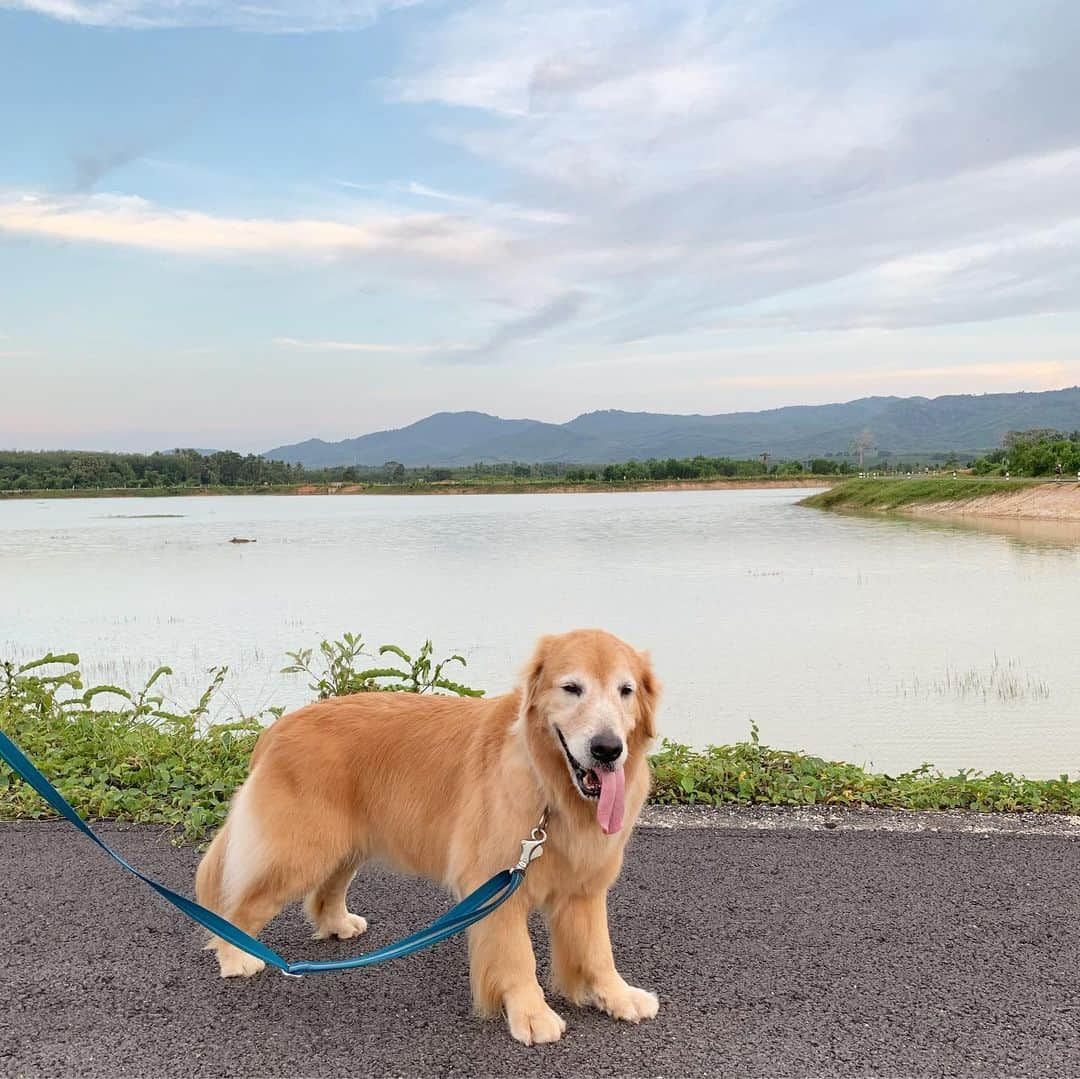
x=239 y=225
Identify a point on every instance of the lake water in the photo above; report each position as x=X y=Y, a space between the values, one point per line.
x=885 y=642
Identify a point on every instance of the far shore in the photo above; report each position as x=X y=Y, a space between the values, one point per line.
x=509 y=488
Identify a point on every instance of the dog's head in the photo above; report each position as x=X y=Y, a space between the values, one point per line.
x=588 y=707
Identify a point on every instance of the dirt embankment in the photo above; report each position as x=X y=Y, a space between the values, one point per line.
x=1042 y=502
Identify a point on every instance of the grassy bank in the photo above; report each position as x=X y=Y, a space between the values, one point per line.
x=882 y=494
x=494 y=487
x=121 y=755
x=749 y=773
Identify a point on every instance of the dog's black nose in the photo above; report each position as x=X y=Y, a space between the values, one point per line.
x=605 y=747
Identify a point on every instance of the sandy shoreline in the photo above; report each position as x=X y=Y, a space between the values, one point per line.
x=1043 y=502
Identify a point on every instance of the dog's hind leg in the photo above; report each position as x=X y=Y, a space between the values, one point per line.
x=258 y=871
x=326 y=908
x=209 y=886
x=255 y=908
x=271 y=853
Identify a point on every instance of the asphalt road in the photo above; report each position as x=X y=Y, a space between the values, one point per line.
x=790 y=950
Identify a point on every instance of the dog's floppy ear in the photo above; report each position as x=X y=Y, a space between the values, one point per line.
x=534 y=669
x=648 y=694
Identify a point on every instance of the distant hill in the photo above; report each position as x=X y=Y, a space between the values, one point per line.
x=964 y=424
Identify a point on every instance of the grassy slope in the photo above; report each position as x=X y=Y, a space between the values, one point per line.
x=893 y=494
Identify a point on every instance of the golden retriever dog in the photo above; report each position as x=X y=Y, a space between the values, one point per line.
x=447 y=788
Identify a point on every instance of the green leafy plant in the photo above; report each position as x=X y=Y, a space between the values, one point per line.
x=339 y=676
x=38 y=690
x=422 y=675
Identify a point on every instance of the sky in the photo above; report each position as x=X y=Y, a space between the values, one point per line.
x=237 y=225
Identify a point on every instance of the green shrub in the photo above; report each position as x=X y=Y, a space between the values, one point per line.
x=749 y=773
x=134 y=761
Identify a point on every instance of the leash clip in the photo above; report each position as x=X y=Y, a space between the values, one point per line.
x=533 y=847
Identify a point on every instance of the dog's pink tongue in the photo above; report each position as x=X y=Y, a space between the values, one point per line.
x=612 y=799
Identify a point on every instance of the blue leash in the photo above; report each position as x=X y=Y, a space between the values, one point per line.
x=479 y=904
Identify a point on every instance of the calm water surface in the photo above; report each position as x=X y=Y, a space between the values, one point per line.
x=879 y=641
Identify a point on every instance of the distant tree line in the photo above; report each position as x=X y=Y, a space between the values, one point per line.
x=1038 y=452
x=73 y=469
x=55 y=470
x=703 y=468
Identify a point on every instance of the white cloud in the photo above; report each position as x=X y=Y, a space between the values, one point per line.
x=268 y=16
x=470 y=203
x=128 y=221
x=497 y=209
x=840 y=167
x=377 y=348
x=628 y=96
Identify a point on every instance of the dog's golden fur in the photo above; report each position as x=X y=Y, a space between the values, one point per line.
x=447 y=788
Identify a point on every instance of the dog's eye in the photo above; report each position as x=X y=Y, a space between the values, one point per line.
x=625 y=691
x=573 y=687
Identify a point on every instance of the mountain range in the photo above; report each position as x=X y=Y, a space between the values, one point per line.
x=962 y=424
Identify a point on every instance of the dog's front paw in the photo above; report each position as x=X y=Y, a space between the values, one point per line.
x=534 y=1024
x=629 y=1003
x=344 y=928
x=237 y=964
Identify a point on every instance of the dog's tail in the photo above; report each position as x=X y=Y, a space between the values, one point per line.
x=234 y=862
x=214 y=878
